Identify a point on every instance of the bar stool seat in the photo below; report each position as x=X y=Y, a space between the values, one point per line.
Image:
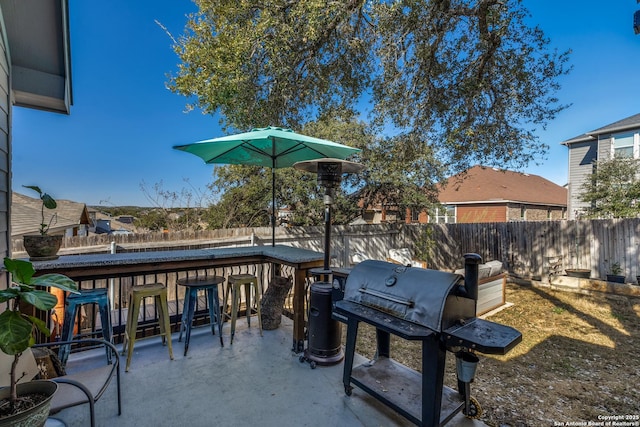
x=137 y=294
x=234 y=285
x=72 y=304
x=192 y=286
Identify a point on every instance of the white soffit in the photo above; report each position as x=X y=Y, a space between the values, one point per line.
x=38 y=33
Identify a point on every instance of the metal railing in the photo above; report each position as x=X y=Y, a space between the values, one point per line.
x=88 y=321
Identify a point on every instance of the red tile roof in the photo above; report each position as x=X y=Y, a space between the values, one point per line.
x=490 y=185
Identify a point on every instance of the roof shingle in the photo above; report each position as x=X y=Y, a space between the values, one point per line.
x=631 y=122
x=490 y=185
x=26 y=215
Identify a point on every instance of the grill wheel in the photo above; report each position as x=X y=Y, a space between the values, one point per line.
x=475 y=410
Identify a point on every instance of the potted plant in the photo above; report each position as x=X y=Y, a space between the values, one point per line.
x=615 y=273
x=43 y=246
x=17 y=335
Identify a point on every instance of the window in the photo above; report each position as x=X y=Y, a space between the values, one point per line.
x=624 y=145
x=415 y=215
x=451 y=213
x=444 y=214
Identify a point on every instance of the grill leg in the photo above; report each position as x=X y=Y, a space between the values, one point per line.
x=433 y=360
x=350 y=349
x=383 y=340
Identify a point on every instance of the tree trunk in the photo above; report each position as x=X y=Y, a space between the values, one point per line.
x=273 y=302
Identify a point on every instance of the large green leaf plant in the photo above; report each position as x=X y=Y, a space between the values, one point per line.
x=17 y=328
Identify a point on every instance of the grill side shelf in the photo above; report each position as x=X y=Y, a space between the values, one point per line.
x=482 y=335
x=382 y=321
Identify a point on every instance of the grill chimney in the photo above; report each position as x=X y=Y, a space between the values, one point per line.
x=471 y=262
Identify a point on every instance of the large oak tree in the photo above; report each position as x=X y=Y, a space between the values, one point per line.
x=440 y=85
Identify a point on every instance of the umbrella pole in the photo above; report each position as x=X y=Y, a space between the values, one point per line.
x=273 y=205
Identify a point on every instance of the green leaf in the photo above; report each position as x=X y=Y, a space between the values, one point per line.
x=40 y=324
x=48 y=201
x=54 y=280
x=15 y=332
x=7 y=294
x=34 y=188
x=21 y=270
x=40 y=299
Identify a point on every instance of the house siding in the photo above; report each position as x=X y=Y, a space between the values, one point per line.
x=5 y=152
x=604 y=147
x=581 y=158
x=514 y=212
x=481 y=213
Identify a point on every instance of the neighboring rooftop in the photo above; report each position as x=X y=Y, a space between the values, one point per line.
x=26 y=215
x=631 y=122
x=491 y=185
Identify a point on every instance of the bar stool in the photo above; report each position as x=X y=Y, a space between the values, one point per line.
x=192 y=286
x=72 y=305
x=234 y=285
x=137 y=294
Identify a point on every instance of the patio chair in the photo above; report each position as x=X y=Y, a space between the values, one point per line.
x=83 y=379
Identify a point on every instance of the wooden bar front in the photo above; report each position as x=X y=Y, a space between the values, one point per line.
x=100 y=266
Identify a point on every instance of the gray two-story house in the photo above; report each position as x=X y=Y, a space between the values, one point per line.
x=620 y=139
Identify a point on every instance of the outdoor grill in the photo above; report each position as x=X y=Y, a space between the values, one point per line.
x=434 y=307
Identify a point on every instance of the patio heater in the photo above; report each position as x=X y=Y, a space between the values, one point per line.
x=324 y=333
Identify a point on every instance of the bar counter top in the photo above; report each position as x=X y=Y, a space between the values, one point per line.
x=284 y=254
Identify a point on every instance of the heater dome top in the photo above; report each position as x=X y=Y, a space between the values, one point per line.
x=313 y=165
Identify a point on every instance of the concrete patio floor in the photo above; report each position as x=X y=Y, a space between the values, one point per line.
x=256 y=381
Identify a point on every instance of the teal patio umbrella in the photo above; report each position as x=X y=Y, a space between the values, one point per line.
x=272 y=147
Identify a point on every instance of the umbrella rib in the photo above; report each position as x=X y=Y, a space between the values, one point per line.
x=298 y=147
x=246 y=144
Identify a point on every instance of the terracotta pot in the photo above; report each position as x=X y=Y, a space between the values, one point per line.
x=37 y=415
x=42 y=248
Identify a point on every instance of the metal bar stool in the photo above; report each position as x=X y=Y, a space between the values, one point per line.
x=72 y=305
x=235 y=282
x=138 y=293
x=192 y=286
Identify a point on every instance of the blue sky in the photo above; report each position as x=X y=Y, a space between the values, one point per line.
x=124 y=121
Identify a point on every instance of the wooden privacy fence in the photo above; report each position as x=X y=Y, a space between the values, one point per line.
x=526 y=248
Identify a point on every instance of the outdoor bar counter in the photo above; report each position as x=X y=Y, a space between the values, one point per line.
x=101 y=266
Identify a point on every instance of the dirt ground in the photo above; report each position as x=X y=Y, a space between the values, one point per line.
x=577 y=363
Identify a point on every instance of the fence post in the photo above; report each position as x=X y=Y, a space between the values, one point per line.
x=112 y=286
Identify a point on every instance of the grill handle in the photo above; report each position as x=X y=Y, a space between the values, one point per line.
x=388 y=297
x=471 y=262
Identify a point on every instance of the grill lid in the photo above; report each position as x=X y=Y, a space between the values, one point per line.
x=413 y=294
